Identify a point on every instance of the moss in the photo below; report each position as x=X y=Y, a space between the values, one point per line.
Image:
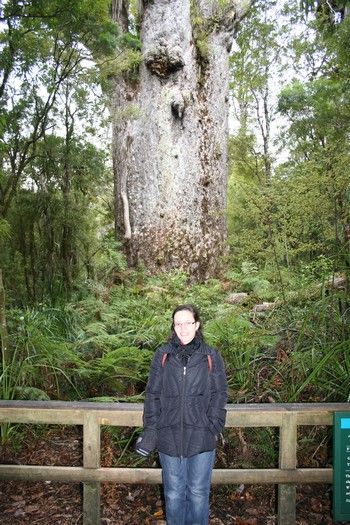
x=203 y=26
x=201 y=30
x=135 y=16
x=128 y=112
x=203 y=49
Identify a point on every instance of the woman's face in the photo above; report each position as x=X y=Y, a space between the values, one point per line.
x=185 y=326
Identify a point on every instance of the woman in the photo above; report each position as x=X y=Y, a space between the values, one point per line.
x=184 y=414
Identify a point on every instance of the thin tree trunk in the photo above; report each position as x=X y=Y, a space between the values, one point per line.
x=3 y=325
x=5 y=353
x=67 y=233
x=23 y=249
x=32 y=256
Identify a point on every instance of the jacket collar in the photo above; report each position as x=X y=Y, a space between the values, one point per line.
x=174 y=345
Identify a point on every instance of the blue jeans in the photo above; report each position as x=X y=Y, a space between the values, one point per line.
x=186 y=484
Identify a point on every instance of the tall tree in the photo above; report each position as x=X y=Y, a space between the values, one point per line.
x=255 y=68
x=318 y=110
x=47 y=75
x=170 y=134
x=42 y=45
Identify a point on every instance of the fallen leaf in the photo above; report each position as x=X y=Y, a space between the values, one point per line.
x=16 y=498
x=248 y=496
x=316 y=505
x=252 y=521
x=253 y=512
x=31 y=508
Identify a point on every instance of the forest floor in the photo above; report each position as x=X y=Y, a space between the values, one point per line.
x=53 y=503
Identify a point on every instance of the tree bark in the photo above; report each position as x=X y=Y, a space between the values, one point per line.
x=67 y=250
x=3 y=326
x=170 y=136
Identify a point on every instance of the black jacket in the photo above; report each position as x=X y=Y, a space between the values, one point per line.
x=184 y=410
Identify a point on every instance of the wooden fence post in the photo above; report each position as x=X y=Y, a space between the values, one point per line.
x=92 y=454
x=287 y=460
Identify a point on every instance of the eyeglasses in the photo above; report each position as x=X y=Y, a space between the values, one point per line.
x=186 y=324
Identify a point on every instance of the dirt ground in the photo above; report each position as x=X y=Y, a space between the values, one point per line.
x=56 y=503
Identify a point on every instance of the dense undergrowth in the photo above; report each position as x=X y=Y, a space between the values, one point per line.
x=100 y=346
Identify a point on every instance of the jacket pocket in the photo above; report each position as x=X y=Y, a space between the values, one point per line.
x=170 y=413
x=195 y=414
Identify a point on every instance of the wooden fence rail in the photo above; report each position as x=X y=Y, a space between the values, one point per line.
x=92 y=415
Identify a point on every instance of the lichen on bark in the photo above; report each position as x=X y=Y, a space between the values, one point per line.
x=170 y=162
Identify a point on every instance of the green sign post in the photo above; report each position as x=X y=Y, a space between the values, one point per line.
x=341 y=466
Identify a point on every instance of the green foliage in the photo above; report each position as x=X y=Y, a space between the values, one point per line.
x=241 y=344
x=200 y=32
x=41 y=361
x=100 y=347
x=117 y=370
x=30 y=393
x=320 y=269
x=5 y=229
x=323 y=371
x=250 y=194
x=301 y=212
x=317 y=177
x=330 y=12
x=252 y=281
x=86 y=20
x=316 y=365
x=317 y=109
x=60 y=202
x=52 y=175
x=208 y=297
x=127 y=57
x=131 y=41
x=127 y=61
x=258 y=286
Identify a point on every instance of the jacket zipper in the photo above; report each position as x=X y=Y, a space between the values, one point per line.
x=182 y=411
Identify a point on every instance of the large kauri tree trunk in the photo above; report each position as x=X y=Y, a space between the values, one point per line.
x=170 y=135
